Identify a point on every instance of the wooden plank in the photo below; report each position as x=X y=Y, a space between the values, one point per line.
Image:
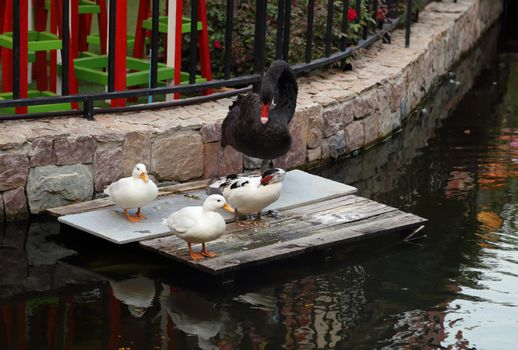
x=235 y=237
x=321 y=238
x=106 y=202
x=334 y=220
x=389 y=222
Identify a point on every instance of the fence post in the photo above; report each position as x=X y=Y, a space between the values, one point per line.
x=228 y=39
x=194 y=41
x=260 y=39
x=408 y=22
x=88 y=109
x=309 y=33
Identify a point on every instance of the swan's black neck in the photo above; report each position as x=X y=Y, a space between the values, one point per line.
x=280 y=78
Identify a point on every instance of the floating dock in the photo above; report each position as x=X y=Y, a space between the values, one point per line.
x=312 y=213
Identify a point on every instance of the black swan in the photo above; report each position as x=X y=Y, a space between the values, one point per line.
x=255 y=129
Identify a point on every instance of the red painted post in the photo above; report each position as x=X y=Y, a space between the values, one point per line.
x=24 y=52
x=53 y=54
x=74 y=28
x=85 y=24
x=2 y=10
x=120 y=50
x=203 y=45
x=52 y=329
x=21 y=314
x=102 y=21
x=140 y=31
x=114 y=313
x=40 y=24
x=6 y=54
x=178 y=46
x=7 y=318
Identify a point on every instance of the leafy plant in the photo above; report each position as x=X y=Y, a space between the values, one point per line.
x=244 y=31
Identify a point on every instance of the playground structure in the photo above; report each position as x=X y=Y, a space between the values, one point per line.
x=52 y=44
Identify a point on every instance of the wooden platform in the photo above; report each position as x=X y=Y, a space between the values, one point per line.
x=313 y=213
x=109 y=222
x=296 y=231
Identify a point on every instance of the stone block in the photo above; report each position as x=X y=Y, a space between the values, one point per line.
x=107 y=166
x=365 y=104
x=211 y=132
x=299 y=137
x=74 y=150
x=178 y=156
x=15 y=204
x=136 y=148
x=336 y=117
x=315 y=127
x=231 y=163
x=52 y=186
x=2 y=212
x=325 y=149
x=40 y=152
x=251 y=163
x=313 y=154
x=337 y=147
x=355 y=135
x=13 y=170
x=371 y=127
x=12 y=139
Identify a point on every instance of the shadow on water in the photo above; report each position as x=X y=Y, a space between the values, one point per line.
x=455 y=163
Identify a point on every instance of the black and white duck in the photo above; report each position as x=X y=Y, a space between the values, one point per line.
x=250 y=194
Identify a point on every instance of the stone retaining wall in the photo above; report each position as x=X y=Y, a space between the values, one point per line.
x=47 y=163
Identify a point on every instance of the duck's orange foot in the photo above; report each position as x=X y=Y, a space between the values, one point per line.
x=209 y=254
x=196 y=256
x=130 y=218
x=140 y=215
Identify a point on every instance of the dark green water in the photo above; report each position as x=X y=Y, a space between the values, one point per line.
x=455 y=288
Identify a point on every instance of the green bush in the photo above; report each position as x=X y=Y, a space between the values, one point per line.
x=244 y=31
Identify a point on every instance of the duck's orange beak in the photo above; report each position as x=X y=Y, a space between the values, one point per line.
x=228 y=208
x=144 y=176
x=265 y=112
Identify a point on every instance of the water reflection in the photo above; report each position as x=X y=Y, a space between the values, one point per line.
x=456 y=289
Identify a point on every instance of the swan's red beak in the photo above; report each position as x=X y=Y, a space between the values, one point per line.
x=265 y=112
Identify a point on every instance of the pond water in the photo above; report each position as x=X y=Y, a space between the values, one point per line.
x=457 y=287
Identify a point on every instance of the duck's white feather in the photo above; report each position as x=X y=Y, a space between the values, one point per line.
x=252 y=197
x=130 y=192
x=195 y=225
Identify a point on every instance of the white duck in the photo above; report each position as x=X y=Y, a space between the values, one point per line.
x=135 y=191
x=250 y=194
x=200 y=224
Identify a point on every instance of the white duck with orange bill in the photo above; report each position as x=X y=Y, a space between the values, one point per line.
x=131 y=192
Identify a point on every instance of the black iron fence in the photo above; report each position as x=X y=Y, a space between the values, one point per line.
x=83 y=104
